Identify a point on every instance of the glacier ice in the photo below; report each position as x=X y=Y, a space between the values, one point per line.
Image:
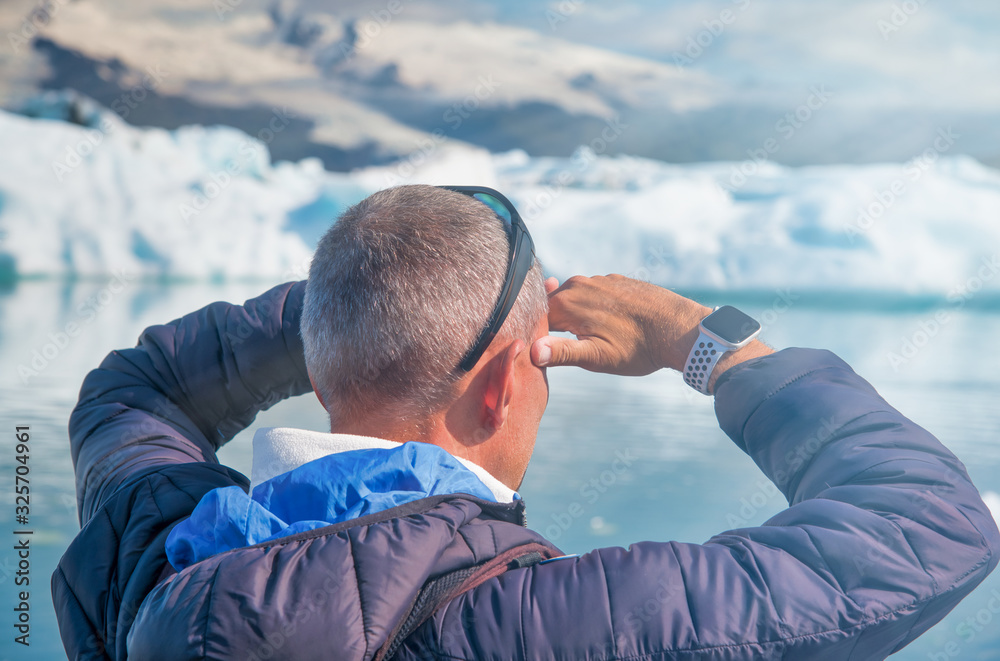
x=100 y=196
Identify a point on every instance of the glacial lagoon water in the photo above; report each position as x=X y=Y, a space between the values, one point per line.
x=683 y=479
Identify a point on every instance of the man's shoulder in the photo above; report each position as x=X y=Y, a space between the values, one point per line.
x=122 y=548
x=322 y=582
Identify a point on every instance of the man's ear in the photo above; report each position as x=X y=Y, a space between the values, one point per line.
x=500 y=385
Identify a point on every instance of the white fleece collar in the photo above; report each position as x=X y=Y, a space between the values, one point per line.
x=277 y=450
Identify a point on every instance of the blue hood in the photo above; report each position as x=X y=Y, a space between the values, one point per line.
x=335 y=488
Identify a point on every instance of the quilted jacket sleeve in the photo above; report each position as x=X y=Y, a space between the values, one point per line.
x=143 y=439
x=884 y=535
x=184 y=390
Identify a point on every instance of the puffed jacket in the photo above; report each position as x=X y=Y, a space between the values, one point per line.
x=883 y=536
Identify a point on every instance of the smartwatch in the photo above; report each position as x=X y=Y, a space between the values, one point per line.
x=726 y=329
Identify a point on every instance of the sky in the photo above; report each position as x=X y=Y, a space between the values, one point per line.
x=929 y=53
x=898 y=70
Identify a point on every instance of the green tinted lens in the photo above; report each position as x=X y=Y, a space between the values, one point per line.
x=496 y=205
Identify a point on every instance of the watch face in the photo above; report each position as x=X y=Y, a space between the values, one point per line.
x=731 y=325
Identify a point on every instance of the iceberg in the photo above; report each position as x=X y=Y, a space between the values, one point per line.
x=84 y=194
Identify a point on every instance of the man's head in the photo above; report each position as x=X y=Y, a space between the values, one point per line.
x=399 y=289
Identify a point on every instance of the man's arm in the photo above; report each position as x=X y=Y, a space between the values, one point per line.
x=185 y=389
x=144 y=436
x=884 y=535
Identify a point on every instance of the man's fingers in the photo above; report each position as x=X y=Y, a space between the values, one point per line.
x=551 y=284
x=556 y=351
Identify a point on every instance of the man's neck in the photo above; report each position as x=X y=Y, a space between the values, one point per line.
x=434 y=431
x=277 y=450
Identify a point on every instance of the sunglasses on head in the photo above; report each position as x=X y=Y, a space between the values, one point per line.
x=520 y=260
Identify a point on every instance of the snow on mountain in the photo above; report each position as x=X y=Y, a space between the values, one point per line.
x=362 y=90
x=508 y=66
x=368 y=83
x=101 y=197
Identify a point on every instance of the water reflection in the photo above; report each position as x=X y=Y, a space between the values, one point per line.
x=618 y=460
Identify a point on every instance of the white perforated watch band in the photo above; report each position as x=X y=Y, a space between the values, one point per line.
x=704 y=355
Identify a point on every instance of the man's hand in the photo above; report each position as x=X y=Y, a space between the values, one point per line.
x=624 y=326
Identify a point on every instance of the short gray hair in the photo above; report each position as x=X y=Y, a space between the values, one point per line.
x=399 y=289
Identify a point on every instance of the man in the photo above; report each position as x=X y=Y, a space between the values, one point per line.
x=424 y=332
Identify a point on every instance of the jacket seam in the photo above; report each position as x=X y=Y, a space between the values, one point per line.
x=916 y=620
x=465 y=538
x=181 y=489
x=916 y=556
x=208 y=611
x=357 y=585
x=520 y=619
x=833 y=575
x=826 y=444
x=93 y=464
x=611 y=608
x=765 y=583
x=61 y=576
x=771 y=394
x=684 y=582
x=115 y=591
x=982 y=539
x=97 y=399
x=148 y=486
x=959 y=510
x=115 y=414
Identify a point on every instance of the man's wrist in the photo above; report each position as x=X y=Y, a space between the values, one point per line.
x=680 y=328
x=755 y=349
x=678 y=331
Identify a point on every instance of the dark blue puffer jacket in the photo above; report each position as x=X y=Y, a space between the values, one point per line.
x=884 y=534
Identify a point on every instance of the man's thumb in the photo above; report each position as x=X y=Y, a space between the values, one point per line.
x=554 y=351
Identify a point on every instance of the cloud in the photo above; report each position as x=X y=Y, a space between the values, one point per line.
x=937 y=56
